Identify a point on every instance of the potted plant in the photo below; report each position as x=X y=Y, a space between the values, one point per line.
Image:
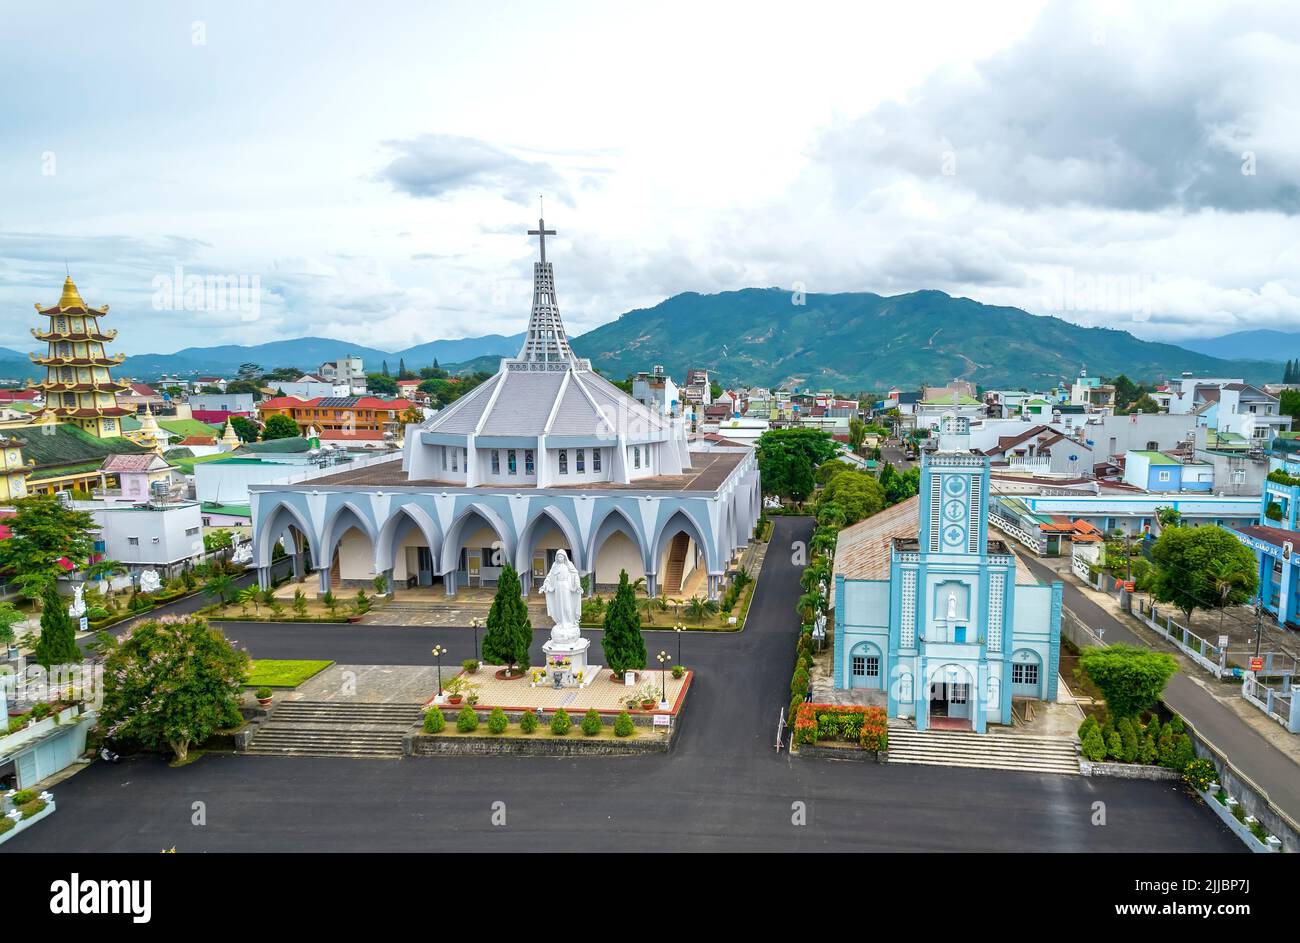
x=470 y=665
x=264 y=695
x=455 y=690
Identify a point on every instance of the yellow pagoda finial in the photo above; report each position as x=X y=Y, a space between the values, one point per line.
x=71 y=298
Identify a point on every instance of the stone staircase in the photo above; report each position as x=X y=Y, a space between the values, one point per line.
x=676 y=564
x=331 y=728
x=991 y=750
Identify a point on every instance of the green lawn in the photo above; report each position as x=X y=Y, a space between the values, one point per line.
x=283 y=674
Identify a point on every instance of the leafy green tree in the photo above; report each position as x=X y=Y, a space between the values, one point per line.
x=1093 y=747
x=44 y=531
x=381 y=384
x=221 y=585
x=245 y=428
x=623 y=644
x=58 y=642
x=799 y=478
x=218 y=540
x=172 y=683
x=1191 y=562
x=509 y=630
x=280 y=426
x=857 y=433
x=1131 y=679
x=1129 y=740
x=858 y=495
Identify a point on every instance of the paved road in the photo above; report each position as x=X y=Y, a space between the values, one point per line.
x=1269 y=767
x=722 y=788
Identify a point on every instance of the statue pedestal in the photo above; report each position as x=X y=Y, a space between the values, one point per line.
x=575 y=651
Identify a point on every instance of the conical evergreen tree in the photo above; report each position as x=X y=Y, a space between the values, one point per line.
x=509 y=630
x=58 y=642
x=624 y=647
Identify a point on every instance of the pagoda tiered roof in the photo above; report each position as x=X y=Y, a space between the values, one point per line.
x=104 y=336
x=48 y=360
x=70 y=302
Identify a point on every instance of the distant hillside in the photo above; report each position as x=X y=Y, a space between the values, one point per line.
x=1276 y=346
x=308 y=353
x=863 y=341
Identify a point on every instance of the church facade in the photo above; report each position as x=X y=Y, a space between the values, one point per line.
x=546 y=455
x=933 y=618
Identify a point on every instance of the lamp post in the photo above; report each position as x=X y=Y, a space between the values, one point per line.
x=438 y=652
x=664 y=659
x=475 y=623
x=680 y=630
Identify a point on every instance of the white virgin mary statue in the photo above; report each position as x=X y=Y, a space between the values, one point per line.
x=563 y=591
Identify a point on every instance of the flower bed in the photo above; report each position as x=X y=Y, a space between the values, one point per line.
x=850 y=723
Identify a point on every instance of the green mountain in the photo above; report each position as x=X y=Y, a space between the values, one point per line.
x=863 y=341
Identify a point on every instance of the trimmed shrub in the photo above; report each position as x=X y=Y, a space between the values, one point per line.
x=6 y=823
x=1184 y=753
x=1088 y=724
x=498 y=721
x=1114 y=746
x=591 y=723
x=1148 y=752
x=1128 y=740
x=623 y=727
x=1094 y=748
x=28 y=809
x=434 y=721
x=528 y=723
x=560 y=723
x=1165 y=748
x=467 y=720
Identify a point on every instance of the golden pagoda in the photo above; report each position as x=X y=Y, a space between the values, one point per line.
x=78 y=387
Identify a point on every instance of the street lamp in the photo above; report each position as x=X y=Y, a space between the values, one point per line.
x=664 y=659
x=474 y=624
x=680 y=630
x=438 y=652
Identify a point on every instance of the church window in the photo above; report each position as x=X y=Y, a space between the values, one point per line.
x=958 y=693
x=455 y=457
x=564 y=461
x=444 y=458
x=529 y=467
x=636 y=456
x=511 y=464
x=595 y=459
x=1024 y=674
x=581 y=457
x=859 y=666
x=496 y=461
x=873 y=666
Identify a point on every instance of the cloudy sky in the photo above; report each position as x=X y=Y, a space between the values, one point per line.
x=374 y=166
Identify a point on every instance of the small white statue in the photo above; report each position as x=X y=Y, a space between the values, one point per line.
x=78 y=607
x=105 y=586
x=243 y=551
x=952 y=607
x=149 y=582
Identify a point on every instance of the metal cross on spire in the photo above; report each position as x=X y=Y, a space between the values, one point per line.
x=541 y=231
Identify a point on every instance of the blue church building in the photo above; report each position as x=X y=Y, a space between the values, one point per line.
x=1272 y=538
x=932 y=617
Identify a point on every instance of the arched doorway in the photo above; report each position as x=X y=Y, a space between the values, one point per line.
x=476 y=548
x=681 y=559
x=544 y=537
x=616 y=546
x=866 y=666
x=1026 y=674
x=951 y=694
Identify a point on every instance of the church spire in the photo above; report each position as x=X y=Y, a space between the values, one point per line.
x=545 y=340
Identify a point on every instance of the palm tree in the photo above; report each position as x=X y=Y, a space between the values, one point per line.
x=220 y=585
x=808 y=605
x=1226 y=579
x=245 y=596
x=699 y=608
x=105 y=570
x=647 y=605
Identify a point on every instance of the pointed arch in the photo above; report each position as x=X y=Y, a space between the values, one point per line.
x=682 y=520
x=523 y=551
x=346 y=516
x=404 y=517
x=451 y=542
x=615 y=520
x=275 y=524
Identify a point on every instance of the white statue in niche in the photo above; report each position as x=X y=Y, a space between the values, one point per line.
x=952 y=607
